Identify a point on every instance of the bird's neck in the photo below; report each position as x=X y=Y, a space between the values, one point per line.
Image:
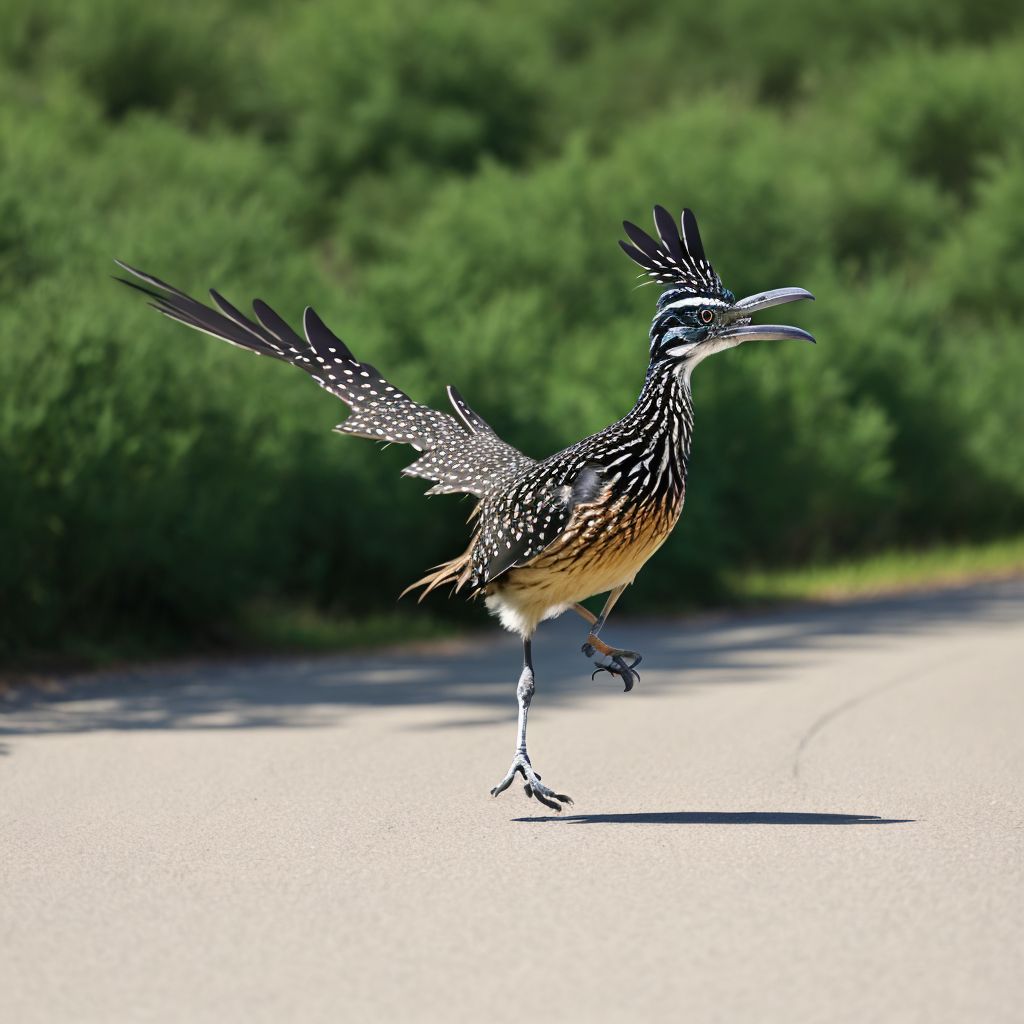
x=664 y=408
x=660 y=427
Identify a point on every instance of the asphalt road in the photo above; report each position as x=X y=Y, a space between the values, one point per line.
x=808 y=815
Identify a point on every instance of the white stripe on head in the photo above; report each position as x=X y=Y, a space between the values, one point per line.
x=696 y=300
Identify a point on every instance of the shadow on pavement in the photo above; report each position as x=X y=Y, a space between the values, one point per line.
x=719 y=818
x=481 y=675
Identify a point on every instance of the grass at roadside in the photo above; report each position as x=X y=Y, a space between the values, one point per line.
x=283 y=628
x=278 y=628
x=263 y=628
x=889 y=572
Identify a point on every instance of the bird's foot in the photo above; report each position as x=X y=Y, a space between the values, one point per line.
x=616 y=664
x=533 y=787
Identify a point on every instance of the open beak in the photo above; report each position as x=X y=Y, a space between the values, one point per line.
x=766 y=332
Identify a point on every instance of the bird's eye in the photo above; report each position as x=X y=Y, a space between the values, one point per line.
x=706 y=316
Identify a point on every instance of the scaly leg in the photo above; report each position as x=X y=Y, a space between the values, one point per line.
x=616 y=664
x=521 y=761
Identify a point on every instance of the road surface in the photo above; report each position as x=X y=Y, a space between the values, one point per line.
x=803 y=815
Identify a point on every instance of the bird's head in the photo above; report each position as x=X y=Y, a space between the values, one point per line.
x=697 y=315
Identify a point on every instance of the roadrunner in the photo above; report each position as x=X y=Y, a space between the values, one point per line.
x=548 y=534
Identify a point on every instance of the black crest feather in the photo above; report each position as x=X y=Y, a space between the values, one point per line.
x=677 y=258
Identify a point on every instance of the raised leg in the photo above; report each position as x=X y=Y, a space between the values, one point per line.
x=616 y=663
x=521 y=761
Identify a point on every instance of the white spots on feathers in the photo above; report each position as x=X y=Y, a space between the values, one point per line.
x=525 y=505
x=460 y=454
x=536 y=508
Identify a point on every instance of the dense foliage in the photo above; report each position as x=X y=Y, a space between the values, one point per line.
x=445 y=184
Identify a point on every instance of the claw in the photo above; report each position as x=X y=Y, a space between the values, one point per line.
x=552 y=801
x=533 y=787
x=618 y=667
x=503 y=785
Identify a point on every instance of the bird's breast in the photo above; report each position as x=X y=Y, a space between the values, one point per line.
x=603 y=547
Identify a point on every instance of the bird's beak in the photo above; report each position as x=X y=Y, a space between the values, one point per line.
x=766 y=332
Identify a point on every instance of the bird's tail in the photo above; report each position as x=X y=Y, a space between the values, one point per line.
x=379 y=410
x=458 y=453
x=458 y=571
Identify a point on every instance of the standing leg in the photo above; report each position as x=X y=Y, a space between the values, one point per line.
x=616 y=665
x=521 y=761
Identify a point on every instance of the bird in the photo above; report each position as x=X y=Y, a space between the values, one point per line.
x=546 y=534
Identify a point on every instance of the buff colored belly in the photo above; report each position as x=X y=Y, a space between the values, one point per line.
x=588 y=560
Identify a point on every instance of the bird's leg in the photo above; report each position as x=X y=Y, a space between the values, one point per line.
x=521 y=761
x=617 y=658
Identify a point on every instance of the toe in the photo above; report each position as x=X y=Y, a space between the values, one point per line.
x=547 y=801
x=549 y=797
x=503 y=785
x=618 y=667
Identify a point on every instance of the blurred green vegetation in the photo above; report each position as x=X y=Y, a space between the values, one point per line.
x=445 y=184
x=887 y=572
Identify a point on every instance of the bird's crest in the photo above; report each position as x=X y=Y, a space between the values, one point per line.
x=677 y=259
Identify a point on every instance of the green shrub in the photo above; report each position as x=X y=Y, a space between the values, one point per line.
x=445 y=185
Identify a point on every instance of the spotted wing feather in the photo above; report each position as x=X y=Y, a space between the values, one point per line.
x=460 y=453
x=519 y=524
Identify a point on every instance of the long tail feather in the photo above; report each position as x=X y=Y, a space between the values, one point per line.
x=458 y=453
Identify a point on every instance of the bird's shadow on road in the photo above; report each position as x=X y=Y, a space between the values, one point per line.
x=479 y=677
x=715 y=818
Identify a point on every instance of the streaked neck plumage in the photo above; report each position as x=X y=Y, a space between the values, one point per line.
x=662 y=424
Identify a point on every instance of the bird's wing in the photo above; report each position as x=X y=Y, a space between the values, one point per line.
x=460 y=453
x=519 y=524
